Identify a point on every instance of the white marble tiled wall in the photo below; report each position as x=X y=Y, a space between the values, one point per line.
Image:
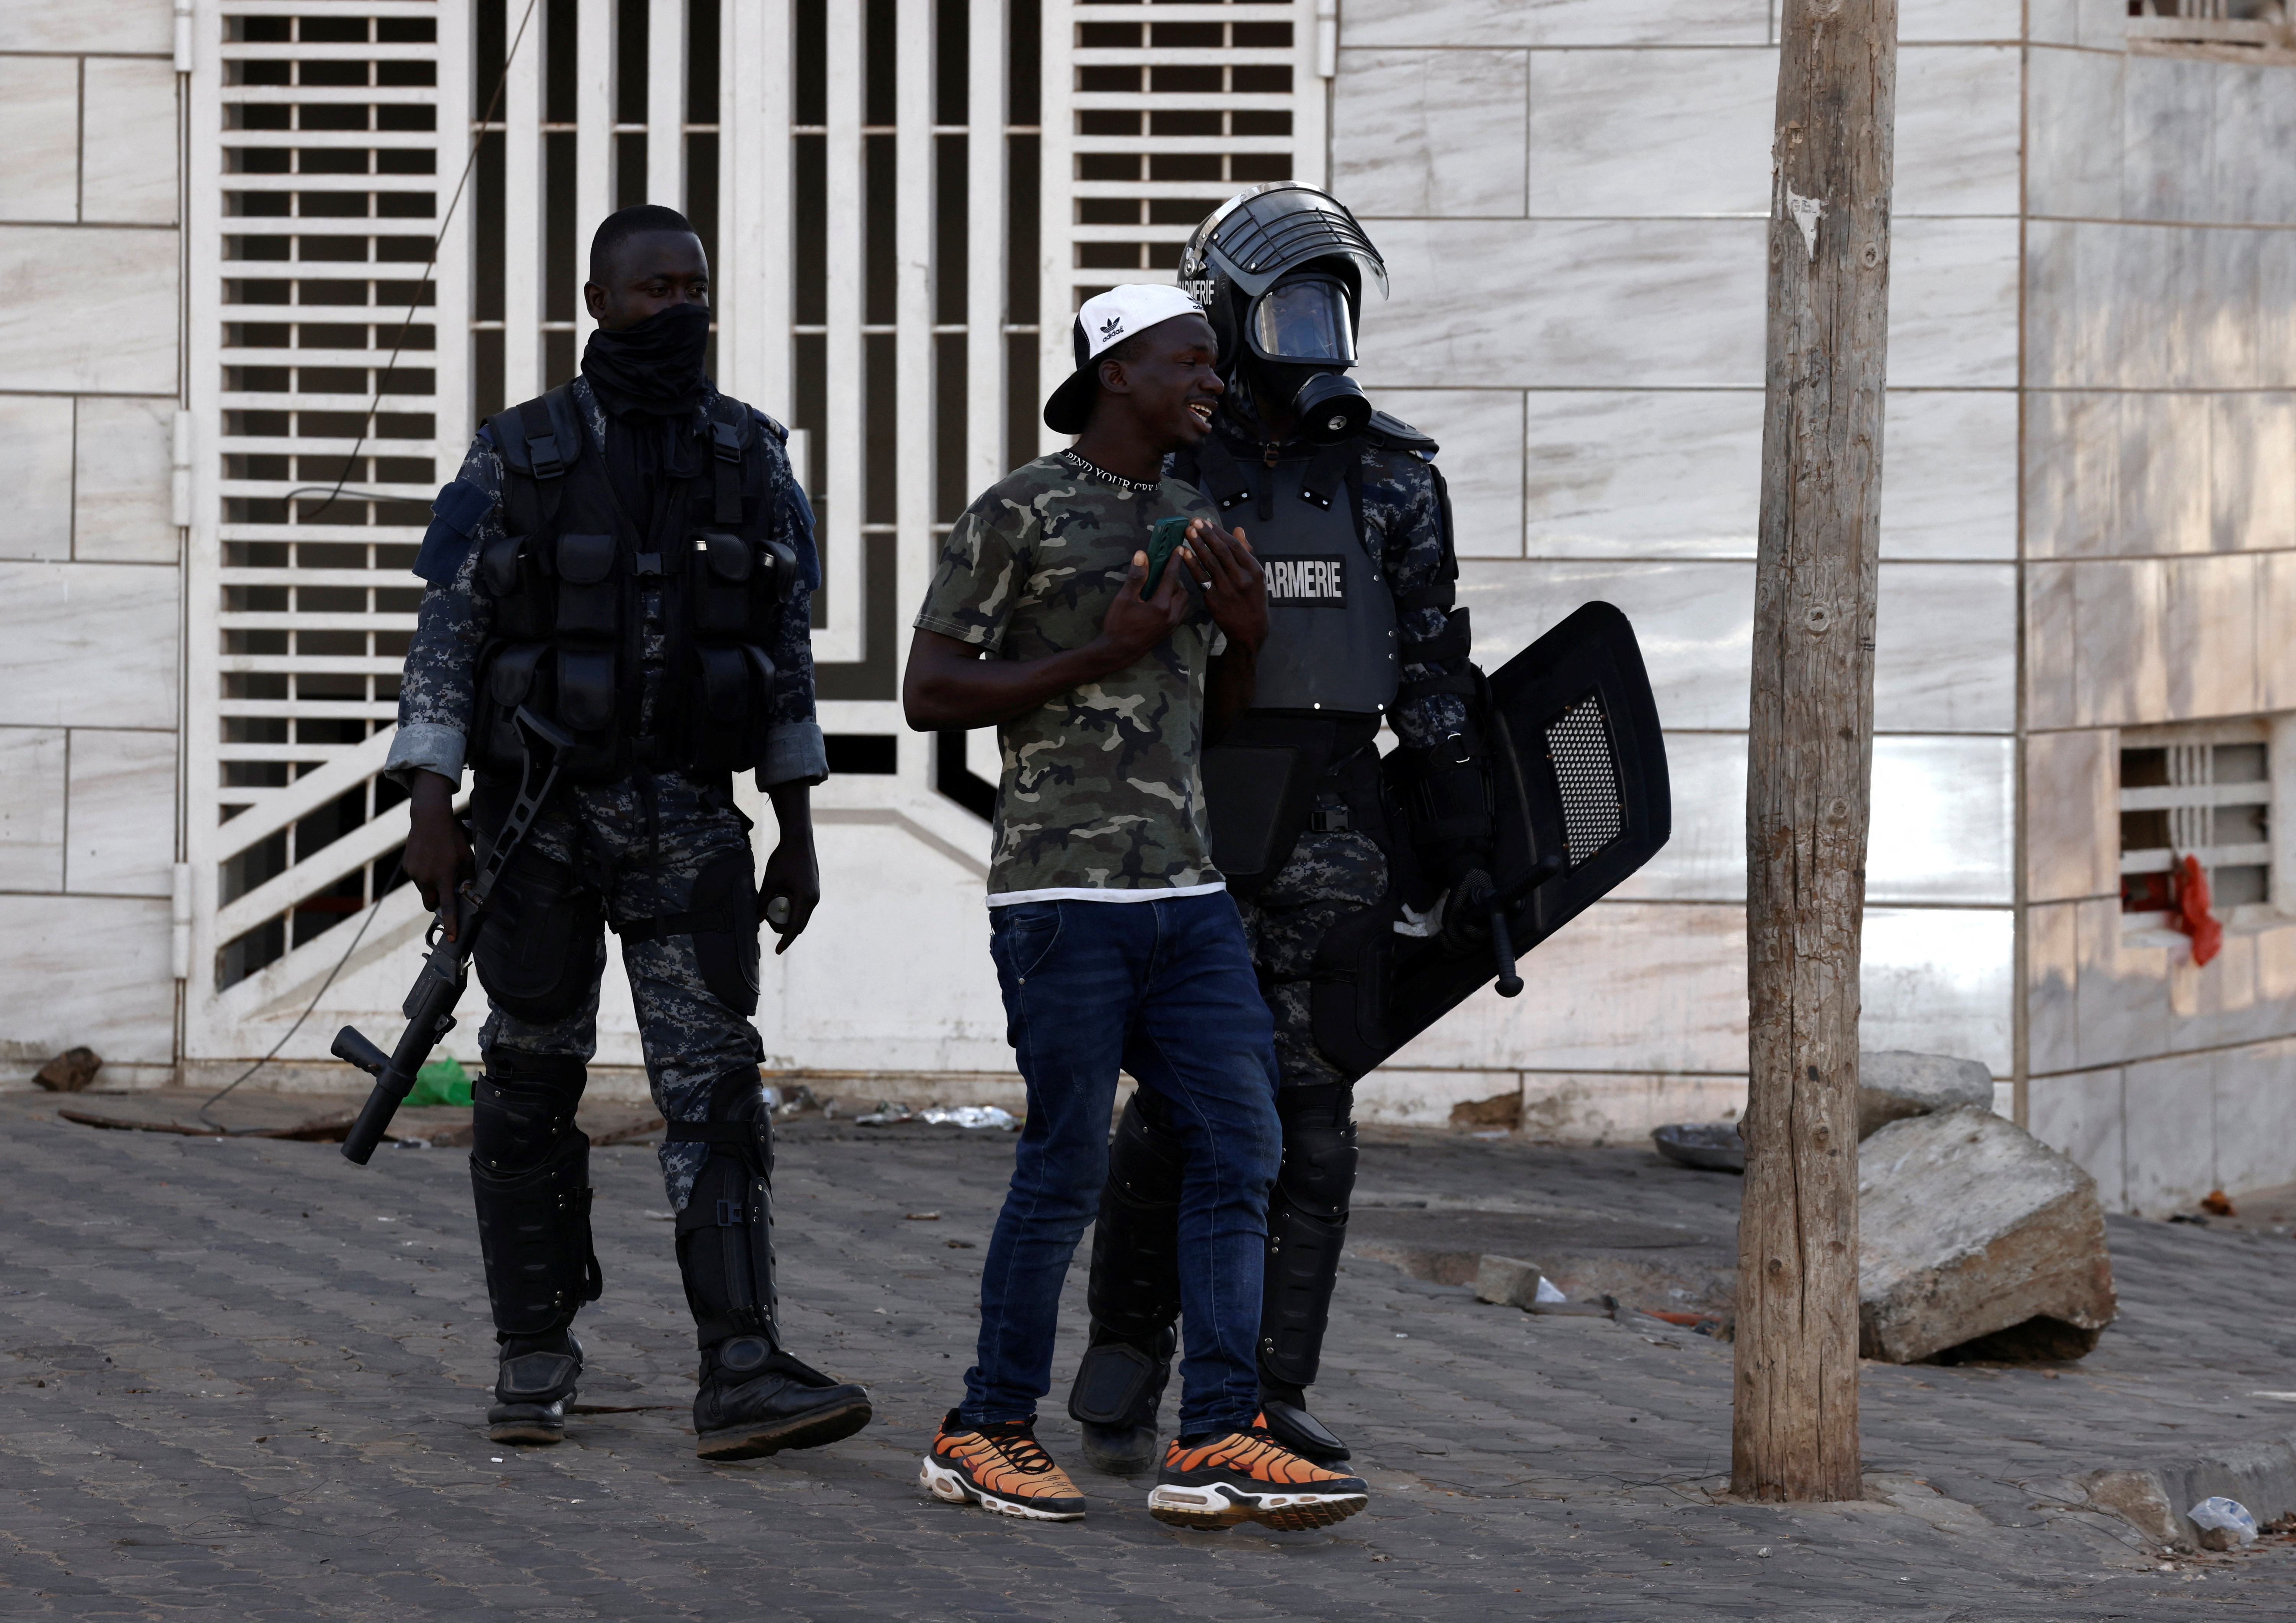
x=1590 y=357
x=2160 y=497
x=90 y=582
x=2160 y=1133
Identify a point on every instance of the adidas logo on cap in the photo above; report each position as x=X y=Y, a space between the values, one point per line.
x=1111 y=317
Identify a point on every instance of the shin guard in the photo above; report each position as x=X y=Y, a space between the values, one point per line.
x=726 y=1231
x=1134 y=1295
x=1307 y=1226
x=534 y=1232
x=1135 y=1289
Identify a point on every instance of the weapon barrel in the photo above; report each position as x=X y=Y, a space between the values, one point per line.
x=389 y=1092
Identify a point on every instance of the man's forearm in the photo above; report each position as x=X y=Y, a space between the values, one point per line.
x=793 y=809
x=949 y=690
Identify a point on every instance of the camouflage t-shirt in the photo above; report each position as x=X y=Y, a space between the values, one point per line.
x=1101 y=797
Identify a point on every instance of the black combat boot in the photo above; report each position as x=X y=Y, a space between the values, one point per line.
x=756 y=1400
x=533 y=1384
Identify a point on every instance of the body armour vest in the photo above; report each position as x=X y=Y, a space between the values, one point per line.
x=1331 y=640
x=649 y=645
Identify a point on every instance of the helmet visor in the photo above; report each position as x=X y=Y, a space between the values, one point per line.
x=1306 y=320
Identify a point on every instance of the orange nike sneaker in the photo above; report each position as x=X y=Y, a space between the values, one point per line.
x=1000 y=1468
x=1247 y=1476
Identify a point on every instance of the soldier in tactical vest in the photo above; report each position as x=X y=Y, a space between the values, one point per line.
x=629 y=557
x=1329 y=853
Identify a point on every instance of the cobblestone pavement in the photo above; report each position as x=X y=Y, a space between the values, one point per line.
x=243 y=1380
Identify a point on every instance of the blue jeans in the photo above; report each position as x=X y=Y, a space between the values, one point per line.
x=1163 y=989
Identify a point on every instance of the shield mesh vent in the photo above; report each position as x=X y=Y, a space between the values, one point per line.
x=1580 y=746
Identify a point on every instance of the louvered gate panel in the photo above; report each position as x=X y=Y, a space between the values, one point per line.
x=1159 y=114
x=322 y=163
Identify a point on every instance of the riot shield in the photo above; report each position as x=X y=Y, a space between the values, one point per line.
x=1580 y=780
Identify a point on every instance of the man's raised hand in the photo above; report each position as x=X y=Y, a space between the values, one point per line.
x=1235 y=585
x=1134 y=625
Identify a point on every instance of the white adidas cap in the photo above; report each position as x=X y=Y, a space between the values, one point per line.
x=1106 y=319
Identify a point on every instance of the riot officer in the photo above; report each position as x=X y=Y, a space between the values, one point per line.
x=627 y=557
x=1328 y=852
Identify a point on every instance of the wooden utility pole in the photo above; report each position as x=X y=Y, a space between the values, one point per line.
x=1794 y=1434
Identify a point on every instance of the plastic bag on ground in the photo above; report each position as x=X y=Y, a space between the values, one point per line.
x=441 y=1082
x=2224 y=1524
x=973 y=1116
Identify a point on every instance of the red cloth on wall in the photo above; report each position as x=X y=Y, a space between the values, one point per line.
x=2193 y=916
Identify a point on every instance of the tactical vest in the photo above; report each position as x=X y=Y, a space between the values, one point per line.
x=569 y=579
x=1330 y=615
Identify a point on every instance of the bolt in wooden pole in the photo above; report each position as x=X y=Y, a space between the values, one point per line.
x=1809 y=754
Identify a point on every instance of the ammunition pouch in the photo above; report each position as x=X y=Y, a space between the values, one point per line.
x=571 y=578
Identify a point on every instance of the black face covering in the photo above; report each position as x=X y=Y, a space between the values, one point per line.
x=654 y=366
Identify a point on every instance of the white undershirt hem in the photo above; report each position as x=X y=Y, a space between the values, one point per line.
x=1085 y=893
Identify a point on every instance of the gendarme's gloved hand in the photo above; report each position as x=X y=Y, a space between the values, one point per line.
x=1466 y=915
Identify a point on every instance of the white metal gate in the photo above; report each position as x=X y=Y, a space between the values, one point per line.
x=893 y=192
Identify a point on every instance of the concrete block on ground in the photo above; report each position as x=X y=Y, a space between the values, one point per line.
x=2137 y=1498
x=1508 y=1281
x=1972 y=1231
x=1893 y=1084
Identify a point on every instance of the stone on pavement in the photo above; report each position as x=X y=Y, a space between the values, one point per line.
x=2137 y=1497
x=1508 y=1281
x=70 y=1072
x=1893 y=1083
x=1972 y=1231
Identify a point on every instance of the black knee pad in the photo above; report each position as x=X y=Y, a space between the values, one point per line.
x=1135 y=1289
x=543 y=943
x=725 y=1232
x=522 y=1107
x=1319 y=1148
x=533 y=1231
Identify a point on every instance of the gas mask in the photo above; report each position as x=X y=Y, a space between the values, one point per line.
x=1301 y=336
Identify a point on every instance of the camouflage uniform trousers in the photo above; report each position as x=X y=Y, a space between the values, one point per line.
x=639 y=845
x=1331 y=874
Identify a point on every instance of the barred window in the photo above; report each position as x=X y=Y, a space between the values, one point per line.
x=2205 y=794
x=2221 y=30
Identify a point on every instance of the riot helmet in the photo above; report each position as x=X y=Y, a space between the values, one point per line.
x=1280 y=271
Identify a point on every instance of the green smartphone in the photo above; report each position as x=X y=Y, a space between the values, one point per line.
x=1163 y=541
